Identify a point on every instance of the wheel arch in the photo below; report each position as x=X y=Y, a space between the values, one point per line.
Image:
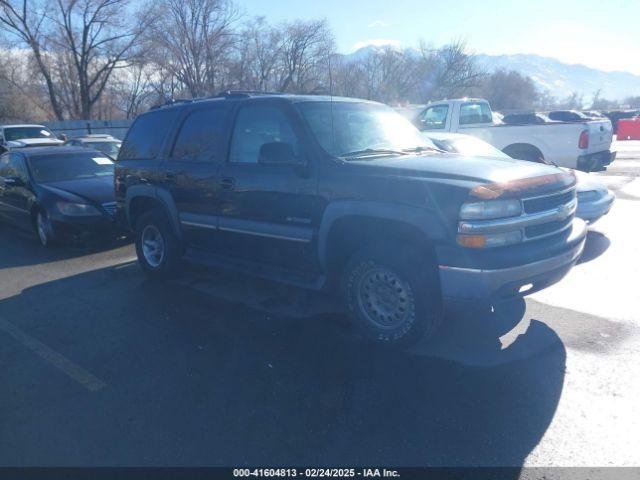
x=530 y=151
x=346 y=225
x=142 y=198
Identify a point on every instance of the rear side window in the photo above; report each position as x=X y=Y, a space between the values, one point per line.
x=147 y=134
x=475 y=112
x=200 y=136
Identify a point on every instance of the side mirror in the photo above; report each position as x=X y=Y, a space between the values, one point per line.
x=13 y=182
x=277 y=153
x=63 y=137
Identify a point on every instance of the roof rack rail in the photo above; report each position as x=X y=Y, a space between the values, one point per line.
x=172 y=101
x=244 y=93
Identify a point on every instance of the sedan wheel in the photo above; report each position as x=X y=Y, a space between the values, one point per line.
x=43 y=228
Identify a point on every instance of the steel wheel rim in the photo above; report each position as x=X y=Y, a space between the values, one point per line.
x=42 y=229
x=385 y=299
x=153 y=246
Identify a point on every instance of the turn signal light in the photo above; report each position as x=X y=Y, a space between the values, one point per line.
x=472 y=241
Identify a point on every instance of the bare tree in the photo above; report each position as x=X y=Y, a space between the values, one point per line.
x=259 y=51
x=509 y=90
x=191 y=40
x=27 y=20
x=451 y=71
x=98 y=37
x=306 y=49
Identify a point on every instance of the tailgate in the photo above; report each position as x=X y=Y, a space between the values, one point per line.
x=600 y=134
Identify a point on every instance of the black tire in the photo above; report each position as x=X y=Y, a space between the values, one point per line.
x=44 y=229
x=155 y=224
x=412 y=309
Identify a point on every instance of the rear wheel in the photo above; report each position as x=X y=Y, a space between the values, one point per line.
x=393 y=298
x=157 y=247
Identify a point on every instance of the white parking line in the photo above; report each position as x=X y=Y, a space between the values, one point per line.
x=77 y=373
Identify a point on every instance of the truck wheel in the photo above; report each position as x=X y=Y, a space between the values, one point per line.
x=157 y=247
x=393 y=298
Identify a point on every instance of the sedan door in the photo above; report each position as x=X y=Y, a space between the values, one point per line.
x=15 y=190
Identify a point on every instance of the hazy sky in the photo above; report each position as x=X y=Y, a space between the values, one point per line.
x=603 y=34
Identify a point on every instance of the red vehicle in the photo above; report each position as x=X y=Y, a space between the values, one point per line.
x=629 y=128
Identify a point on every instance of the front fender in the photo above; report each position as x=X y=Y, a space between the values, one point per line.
x=428 y=222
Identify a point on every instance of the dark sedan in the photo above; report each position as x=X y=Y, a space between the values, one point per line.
x=63 y=193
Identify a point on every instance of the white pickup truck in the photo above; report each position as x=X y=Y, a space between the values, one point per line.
x=16 y=136
x=579 y=145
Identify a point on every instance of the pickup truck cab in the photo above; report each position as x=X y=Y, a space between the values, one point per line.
x=579 y=145
x=16 y=136
x=343 y=195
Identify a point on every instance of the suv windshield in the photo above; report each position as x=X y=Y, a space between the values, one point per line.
x=74 y=166
x=350 y=129
x=18 y=133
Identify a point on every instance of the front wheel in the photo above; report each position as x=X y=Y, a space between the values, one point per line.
x=393 y=298
x=157 y=246
x=44 y=229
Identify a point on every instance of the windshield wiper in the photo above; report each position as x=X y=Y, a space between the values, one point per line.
x=422 y=149
x=372 y=151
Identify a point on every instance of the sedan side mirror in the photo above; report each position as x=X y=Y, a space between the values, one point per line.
x=13 y=182
x=277 y=153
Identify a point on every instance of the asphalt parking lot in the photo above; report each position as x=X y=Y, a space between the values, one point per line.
x=98 y=366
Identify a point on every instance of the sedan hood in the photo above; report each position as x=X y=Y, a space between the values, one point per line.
x=35 y=142
x=97 y=190
x=514 y=175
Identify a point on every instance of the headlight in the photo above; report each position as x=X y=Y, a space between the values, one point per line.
x=77 y=209
x=490 y=209
x=588 y=195
x=490 y=240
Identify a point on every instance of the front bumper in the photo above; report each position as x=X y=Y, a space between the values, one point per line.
x=595 y=162
x=500 y=283
x=90 y=229
x=590 y=211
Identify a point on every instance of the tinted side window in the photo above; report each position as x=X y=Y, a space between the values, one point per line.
x=12 y=165
x=147 y=134
x=475 y=113
x=257 y=125
x=435 y=117
x=200 y=136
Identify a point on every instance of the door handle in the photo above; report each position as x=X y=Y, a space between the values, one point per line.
x=170 y=177
x=227 y=183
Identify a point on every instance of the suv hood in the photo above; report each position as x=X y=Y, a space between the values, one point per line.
x=471 y=170
x=96 y=190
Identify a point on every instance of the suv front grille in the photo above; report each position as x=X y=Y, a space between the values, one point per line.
x=540 y=204
x=548 y=228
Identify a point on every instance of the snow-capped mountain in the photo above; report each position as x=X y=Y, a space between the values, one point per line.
x=558 y=78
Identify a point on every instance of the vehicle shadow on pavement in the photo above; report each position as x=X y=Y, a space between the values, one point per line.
x=597 y=243
x=21 y=248
x=196 y=380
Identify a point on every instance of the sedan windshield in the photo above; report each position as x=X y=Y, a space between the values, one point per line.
x=74 y=166
x=18 y=133
x=109 y=148
x=358 y=129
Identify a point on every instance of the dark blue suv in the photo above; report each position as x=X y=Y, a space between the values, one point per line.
x=345 y=195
